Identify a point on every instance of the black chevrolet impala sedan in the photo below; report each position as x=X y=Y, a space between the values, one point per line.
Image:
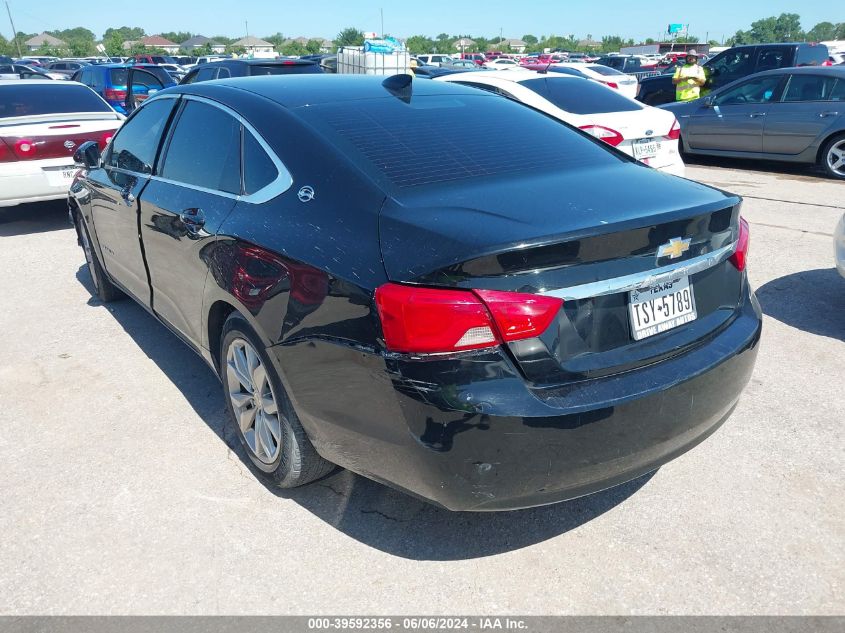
x=432 y=286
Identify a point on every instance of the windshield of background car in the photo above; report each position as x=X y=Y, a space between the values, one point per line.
x=284 y=69
x=442 y=138
x=33 y=100
x=580 y=96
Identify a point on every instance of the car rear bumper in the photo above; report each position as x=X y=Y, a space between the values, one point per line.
x=471 y=434
x=27 y=181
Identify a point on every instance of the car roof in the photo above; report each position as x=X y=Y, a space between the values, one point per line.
x=806 y=70
x=265 y=62
x=294 y=91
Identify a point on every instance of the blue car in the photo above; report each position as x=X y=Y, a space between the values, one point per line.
x=109 y=81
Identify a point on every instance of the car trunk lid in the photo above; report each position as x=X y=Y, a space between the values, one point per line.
x=566 y=235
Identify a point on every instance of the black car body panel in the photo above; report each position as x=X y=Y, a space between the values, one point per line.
x=578 y=408
x=755 y=58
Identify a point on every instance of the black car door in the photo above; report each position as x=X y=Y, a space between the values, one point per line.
x=127 y=166
x=195 y=187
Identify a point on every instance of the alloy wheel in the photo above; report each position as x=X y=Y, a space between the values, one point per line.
x=836 y=158
x=253 y=401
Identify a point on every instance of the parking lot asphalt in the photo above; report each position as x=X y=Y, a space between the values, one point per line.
x=121 y=494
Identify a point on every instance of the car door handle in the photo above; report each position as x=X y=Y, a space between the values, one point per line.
x=754 y=115
x=127 y=196
x=193 y=219
x=824 y=115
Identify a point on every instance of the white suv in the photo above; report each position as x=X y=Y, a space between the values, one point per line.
x=434 y=60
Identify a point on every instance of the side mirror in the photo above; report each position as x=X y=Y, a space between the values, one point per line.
x=87 y=155
x=708 y=102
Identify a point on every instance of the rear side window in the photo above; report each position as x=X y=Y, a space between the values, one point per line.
x=441 y=138
x=772 y=59
x=809 y=88
x=580 y=96
x=259 y=170
x=134 y=147
x=205 y=149
x=205 y=74
x=58 y=98
x=812 y=55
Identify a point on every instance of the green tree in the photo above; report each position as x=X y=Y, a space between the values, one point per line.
x=113 y=44
x=293 y=49
x=531 y=40
x=277 y=40
x=419 y=44
x=313 y=46
x=784 y=28
x=177 y=36
x=126 y=32
x=350 y=36
x=821 y=32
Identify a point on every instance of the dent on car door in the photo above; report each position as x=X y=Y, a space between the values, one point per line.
x=115 y=188
x=734 y=120
x=802 y=115
x=195 y=187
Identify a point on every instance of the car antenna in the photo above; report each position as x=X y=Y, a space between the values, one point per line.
x=399 y=86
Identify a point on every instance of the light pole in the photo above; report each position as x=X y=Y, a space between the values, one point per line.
x=14 y=30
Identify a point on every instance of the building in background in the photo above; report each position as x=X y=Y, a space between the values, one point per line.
x=34 y=43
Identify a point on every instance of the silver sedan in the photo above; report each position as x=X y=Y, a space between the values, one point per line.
x=790 y=114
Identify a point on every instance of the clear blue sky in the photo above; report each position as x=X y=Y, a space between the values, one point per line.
x=324 y=18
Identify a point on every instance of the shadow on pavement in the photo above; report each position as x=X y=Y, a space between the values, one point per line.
x=811 y=300
x=369 y=512
x=36 y=217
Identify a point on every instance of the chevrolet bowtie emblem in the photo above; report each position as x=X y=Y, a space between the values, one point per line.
x=674 y=248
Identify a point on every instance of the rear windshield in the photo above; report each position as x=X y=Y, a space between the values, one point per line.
x=440 y=138
x=604 y=70
x=19 y=100
x=284 y=69
x=580 y=97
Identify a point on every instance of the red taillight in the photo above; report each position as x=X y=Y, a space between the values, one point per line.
x=675 y=131
x=519 y=316
x=740 y=255
x=430 y=320
x=5 y=152
x=611 y=137
x=611 y=84
x=105 y=139
x=114 y=95
x=25 y=148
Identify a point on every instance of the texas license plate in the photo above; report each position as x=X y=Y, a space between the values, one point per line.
x=646 y=148
x=661 y=307
x=61 y=176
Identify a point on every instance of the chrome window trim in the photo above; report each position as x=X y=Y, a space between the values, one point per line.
x=283 y=180
x=644 y=279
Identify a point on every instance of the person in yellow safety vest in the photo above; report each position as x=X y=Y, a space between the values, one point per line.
x=689 y=78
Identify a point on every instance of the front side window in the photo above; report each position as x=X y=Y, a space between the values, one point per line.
x=732 y=64
x=760 y=90
x=205 y=149
x=809 y=88
x=134 y=147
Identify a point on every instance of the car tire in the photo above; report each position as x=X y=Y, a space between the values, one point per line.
x=834 y=149
x=104 y=289
x=261 y=413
